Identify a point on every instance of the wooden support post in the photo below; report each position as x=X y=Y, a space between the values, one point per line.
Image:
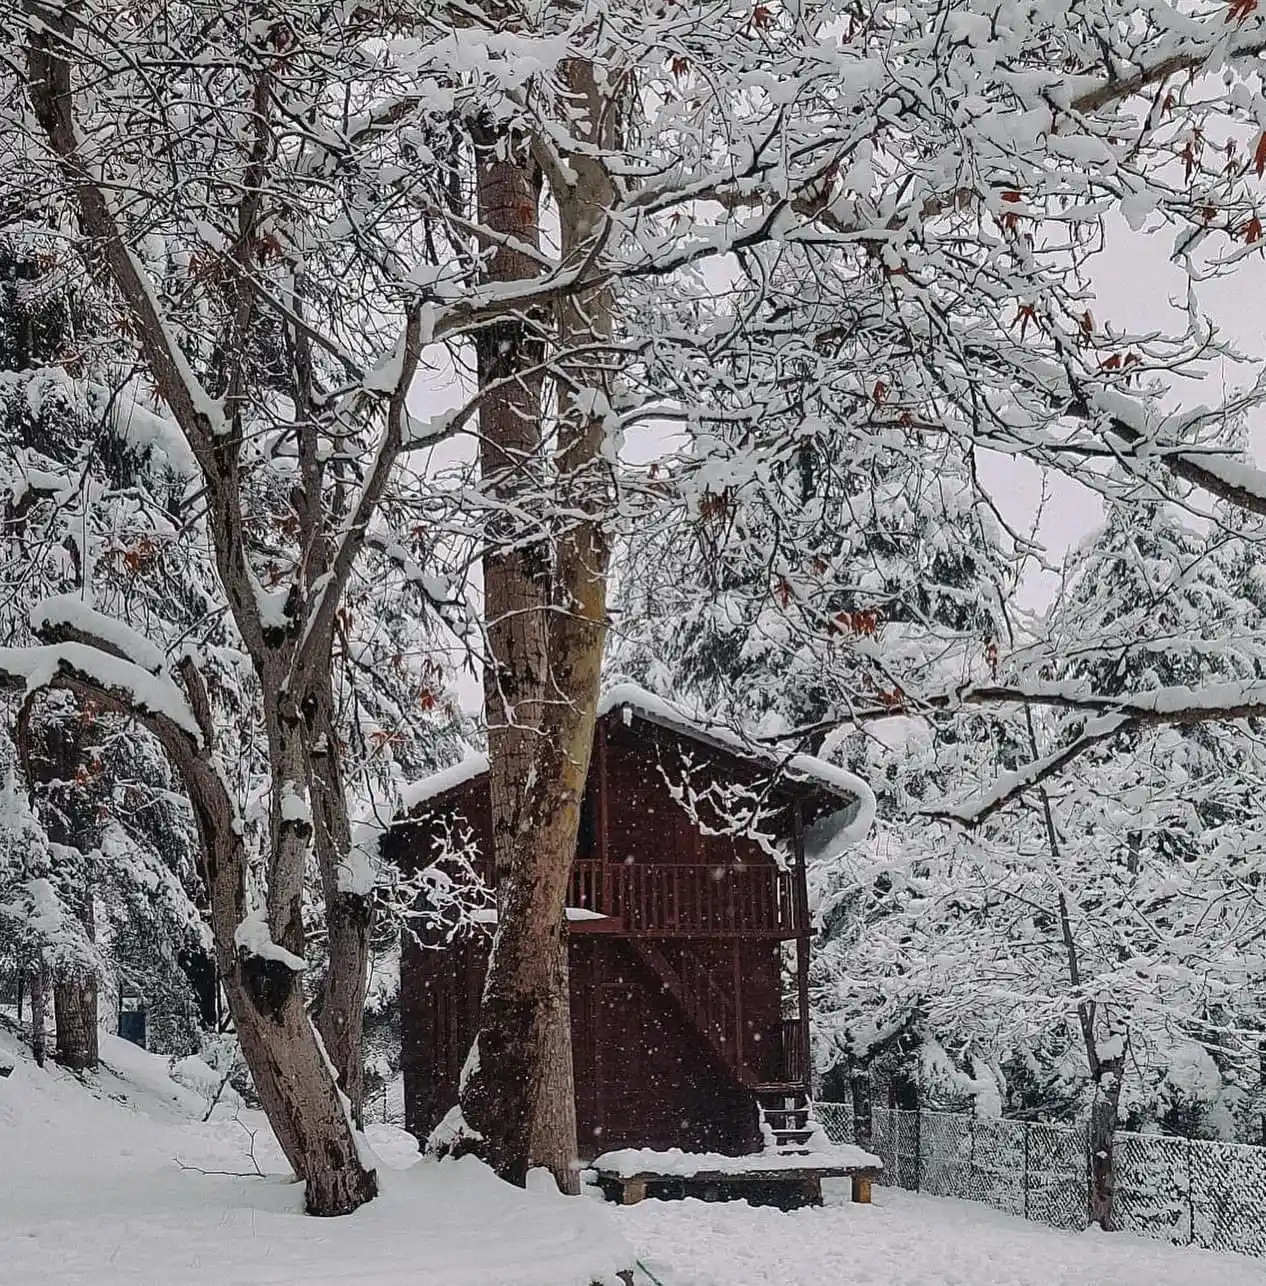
x=633 y=1192
x=861 y=1189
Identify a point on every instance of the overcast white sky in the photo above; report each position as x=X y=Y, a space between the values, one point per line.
x=1136 y=284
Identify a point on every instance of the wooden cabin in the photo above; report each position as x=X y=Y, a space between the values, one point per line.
x=688 y=935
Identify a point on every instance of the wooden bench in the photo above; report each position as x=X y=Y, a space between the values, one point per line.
x=789 y=1187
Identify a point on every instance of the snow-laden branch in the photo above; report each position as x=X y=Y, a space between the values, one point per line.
x=123 y=684
x=1009 y=785
x=68 y=618
x=1173 y=706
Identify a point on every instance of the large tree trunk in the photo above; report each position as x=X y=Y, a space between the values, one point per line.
x=38 y=979
x=496 y=1098
x=510 y=357
x=75 y=1019
x=519 y=1096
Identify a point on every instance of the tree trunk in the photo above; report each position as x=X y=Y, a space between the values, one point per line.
x=552 y=1144
x=37 y=978
x=339 y=1009
x=265 y=995
x=1101 y=1143
x=75 y=1019
x=294 y=1084
x=75 y=997
x=520 y=1095
x=497 y=1099
x=859 y=1085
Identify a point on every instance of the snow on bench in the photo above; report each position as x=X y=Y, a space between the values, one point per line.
x=785 y=1177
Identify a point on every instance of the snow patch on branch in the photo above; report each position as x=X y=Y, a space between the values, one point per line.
x=294 y=807
x=252 y=938
x=73 y=612
x=146 y=693
x=1008 y=784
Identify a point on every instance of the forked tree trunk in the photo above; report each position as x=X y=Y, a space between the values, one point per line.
x=277 y=1037
x=339 y=1008
x=37 y=979
x=265 y=995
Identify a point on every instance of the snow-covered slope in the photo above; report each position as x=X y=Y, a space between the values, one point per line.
x=117 y=1180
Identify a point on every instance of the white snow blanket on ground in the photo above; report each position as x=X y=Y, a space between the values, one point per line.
x=92 y=1193
x=902 y=1240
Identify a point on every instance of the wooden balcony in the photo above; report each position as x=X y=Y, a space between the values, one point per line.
x=670 y=900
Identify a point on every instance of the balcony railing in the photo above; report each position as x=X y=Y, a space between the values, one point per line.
x=671 y=900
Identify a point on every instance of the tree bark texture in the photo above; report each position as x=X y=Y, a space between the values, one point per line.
x=1101 y=1143
x=75 y=1021
x=510 y=356
x=520 y=1097
x=37 y=980
x=339 y=1007
x=859 y=1086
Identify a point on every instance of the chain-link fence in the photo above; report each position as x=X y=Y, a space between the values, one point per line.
x=1182 y=1190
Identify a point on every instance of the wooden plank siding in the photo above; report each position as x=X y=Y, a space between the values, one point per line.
x=678 y=1008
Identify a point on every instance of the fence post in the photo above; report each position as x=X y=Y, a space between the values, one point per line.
x=1085 y=1152
x=1191 y=1198
x=1024 y=1174
x=971 y=1155
x=918 y=1149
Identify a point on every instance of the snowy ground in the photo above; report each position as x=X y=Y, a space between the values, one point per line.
x=93 y=1193
x=902 y=1240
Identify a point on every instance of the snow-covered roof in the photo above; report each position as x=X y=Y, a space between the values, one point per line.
x=802 y=768
x=421 y=792
x=636 y=702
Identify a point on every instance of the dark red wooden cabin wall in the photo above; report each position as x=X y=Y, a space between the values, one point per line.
x=644 y=1077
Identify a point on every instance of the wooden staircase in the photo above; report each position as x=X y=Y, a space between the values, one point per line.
x=709 y=1007
x=784 y=1112
x=786 y=1116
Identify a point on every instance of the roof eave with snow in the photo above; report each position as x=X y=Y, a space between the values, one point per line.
x=798 y=773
